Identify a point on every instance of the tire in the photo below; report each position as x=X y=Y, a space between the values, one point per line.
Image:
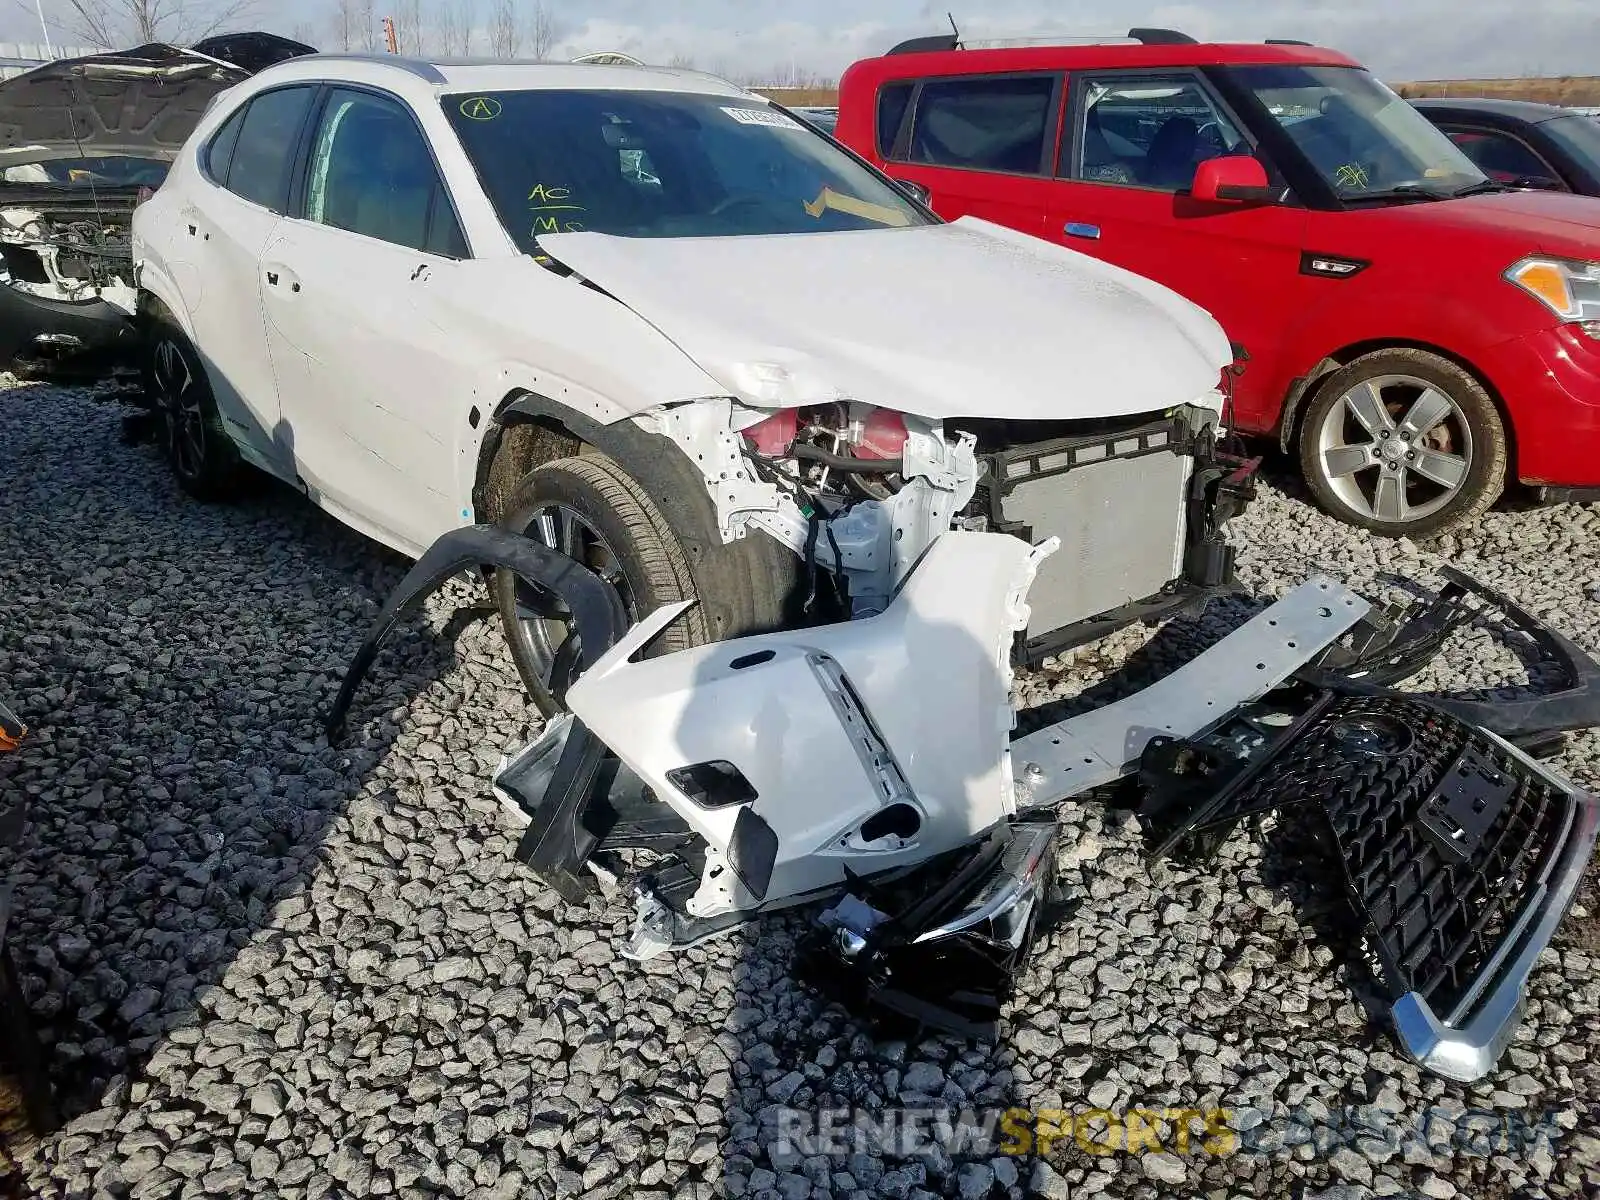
x=197 y=448
x=1404 y=443
x=619 y=531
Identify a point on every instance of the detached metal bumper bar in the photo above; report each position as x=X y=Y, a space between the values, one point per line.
x=1465 y=1045
x=1102 y=746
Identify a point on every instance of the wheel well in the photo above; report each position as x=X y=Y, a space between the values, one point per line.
x=515 y=443
x=1304 y=387
x=148 y=306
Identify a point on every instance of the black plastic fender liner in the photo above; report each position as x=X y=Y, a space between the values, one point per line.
x=597 y=612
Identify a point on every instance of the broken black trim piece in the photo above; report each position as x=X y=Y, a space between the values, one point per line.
x=1191 y=787
x=1403 y=645
x=597 y=613
x=553 y=781
x=939 y=946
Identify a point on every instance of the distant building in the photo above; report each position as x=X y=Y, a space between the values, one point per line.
x=19 y=57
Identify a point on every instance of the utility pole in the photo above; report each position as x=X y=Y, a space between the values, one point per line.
x=44 y=29
x=389 y=37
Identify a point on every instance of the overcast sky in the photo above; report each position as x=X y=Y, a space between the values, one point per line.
x=1402 y=39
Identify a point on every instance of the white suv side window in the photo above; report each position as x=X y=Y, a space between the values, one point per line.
x=371 y=173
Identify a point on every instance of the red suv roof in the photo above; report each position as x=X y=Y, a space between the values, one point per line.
x=1084 y=57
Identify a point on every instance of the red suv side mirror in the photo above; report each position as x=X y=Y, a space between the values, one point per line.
x=1232 y=179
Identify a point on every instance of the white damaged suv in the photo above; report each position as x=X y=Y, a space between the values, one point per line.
x=650 y=318
x=778 y=476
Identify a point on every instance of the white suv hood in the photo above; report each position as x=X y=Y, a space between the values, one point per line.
x=961 y=320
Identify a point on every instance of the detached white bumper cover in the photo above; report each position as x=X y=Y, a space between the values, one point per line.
x=886 y=741
x=868 y=745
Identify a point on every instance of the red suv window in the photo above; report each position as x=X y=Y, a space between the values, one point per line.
x=1148 y=130
x=998 y=123
x=893 y=101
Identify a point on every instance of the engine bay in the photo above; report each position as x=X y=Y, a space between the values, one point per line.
x=69 y=251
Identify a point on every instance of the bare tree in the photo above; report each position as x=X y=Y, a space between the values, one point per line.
x=543 y=32
x=505 y=29
x=346 y=25
x=448 y=19
x=455 y=19
x=367 y=23
x=410 y=32
x=681 y=61
x=788 y=75
x=113 y=23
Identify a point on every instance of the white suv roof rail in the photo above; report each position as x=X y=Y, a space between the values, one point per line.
x=415 y=66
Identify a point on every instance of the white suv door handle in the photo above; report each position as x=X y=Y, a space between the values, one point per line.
x=277 y=275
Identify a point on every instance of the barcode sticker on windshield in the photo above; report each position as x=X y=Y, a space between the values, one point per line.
x=762 y=116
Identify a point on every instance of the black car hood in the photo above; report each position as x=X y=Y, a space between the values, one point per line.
x=139 y=103
x=252 y=51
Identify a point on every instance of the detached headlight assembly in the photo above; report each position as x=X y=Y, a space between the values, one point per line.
x=1569 y=289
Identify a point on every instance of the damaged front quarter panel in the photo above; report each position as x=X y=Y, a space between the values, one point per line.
x=872 y=543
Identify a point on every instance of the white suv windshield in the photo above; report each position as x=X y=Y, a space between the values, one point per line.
x=1363 y=139
x=663 y=164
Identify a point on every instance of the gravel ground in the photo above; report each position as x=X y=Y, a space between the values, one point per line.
x=271 y=967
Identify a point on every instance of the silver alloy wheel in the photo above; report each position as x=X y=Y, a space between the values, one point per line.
x=545 y=618
x=179 y=401
x=1395 y=448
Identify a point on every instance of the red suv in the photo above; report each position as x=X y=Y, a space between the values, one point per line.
x=1414 y=330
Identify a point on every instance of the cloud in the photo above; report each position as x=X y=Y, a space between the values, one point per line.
x=1420 y=39
x=1400 y=40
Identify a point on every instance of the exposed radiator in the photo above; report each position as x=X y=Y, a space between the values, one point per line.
x=1116 y=501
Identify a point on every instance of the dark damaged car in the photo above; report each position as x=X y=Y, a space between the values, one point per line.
x=82 y=142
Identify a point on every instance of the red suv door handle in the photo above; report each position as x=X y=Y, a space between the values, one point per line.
x=1078 y=229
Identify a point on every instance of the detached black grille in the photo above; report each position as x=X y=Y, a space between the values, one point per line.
x=1443 y=835
x=1437 y=918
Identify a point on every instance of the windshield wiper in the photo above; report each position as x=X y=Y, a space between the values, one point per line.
x=1405 y=191
x=1482 y=188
